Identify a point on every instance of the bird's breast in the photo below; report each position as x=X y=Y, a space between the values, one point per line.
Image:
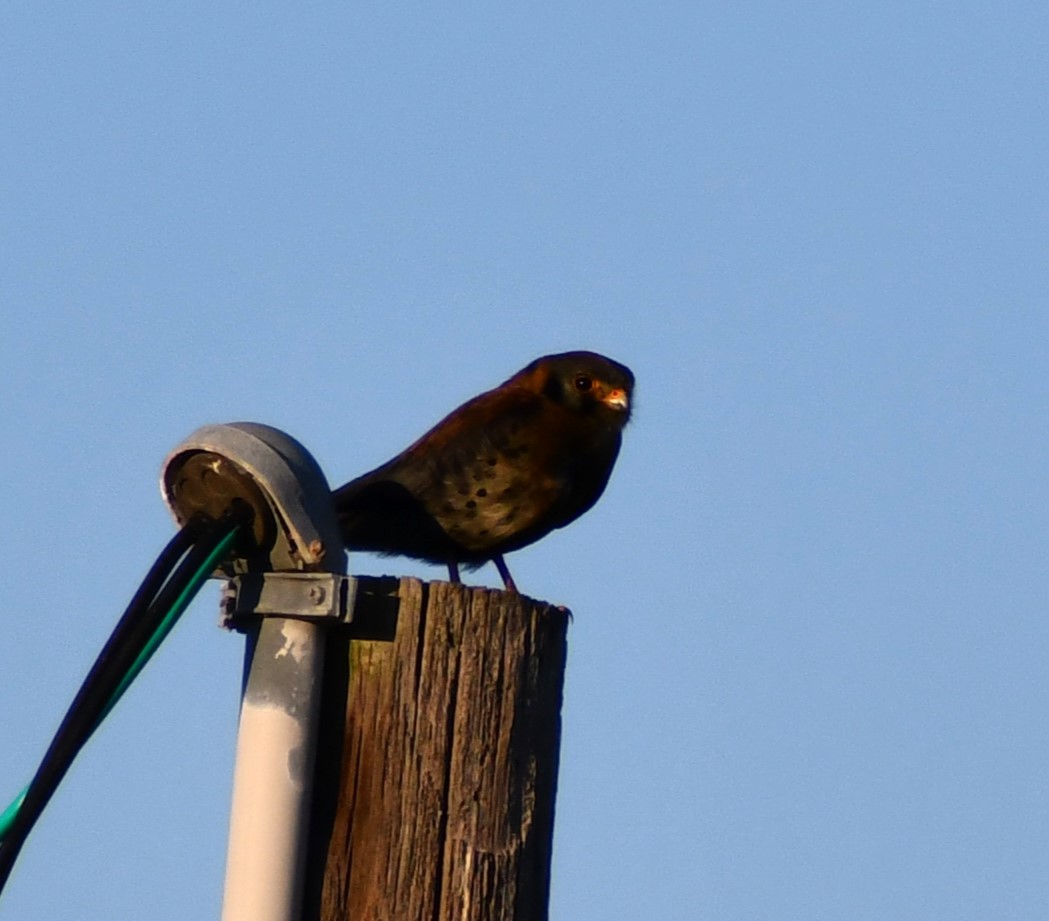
x=486 y=501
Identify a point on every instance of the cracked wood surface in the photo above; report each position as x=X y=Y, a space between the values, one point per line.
x=440 y=804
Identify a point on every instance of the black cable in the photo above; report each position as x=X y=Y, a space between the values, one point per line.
x=161 y=587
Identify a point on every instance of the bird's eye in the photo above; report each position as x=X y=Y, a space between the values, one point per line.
x=583 y=383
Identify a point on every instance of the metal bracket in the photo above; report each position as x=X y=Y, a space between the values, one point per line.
x=313 y=596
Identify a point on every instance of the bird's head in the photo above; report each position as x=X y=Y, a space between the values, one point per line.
x=586 y=383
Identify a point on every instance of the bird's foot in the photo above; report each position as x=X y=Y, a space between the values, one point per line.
x=508 y=580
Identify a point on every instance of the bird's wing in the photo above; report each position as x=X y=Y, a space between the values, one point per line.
x=484 y=427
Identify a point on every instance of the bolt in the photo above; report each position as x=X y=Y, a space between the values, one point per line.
x=317 y=549
x=316 y=594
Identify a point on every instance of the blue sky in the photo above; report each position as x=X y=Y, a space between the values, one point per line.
x=807 y=673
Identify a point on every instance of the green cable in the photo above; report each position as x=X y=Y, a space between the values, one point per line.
x=170 y=619
x=10 y=812
x=158 y=637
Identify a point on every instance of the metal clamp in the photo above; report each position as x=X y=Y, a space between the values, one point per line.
x=314 y=596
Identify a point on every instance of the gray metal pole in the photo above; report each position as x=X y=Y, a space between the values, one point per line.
x=274 y=766
x=290 y=575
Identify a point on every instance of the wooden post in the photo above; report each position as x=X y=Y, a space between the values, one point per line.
x=437 y=774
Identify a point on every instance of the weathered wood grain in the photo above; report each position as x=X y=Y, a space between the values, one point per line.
x=443 y=805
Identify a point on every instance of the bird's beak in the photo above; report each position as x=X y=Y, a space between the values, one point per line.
x=617 y=399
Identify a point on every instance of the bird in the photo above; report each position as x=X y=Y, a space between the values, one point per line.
x=500 y=472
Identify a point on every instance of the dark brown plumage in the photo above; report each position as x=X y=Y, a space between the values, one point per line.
x=498 y=473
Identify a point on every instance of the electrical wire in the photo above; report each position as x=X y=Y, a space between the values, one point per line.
x=72 y=724
x=174 y=612
x=140 y=621
x=164 y=594
x=8 y=815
